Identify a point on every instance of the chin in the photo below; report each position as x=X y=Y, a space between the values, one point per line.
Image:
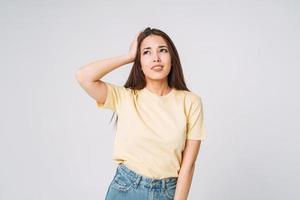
x=157 y=77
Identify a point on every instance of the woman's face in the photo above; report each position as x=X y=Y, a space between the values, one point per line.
x=154 y=51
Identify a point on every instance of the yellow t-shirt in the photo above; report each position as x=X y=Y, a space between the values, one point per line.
x=152 y=130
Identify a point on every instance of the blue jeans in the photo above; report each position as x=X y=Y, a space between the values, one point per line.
x=129 y=185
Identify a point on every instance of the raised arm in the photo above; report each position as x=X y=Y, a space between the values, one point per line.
x=89 y=76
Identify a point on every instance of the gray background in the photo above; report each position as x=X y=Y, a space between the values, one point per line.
x=239 y=56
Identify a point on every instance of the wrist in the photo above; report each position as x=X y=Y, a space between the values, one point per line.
x=129 y=58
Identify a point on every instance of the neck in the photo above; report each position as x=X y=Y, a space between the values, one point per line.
x=159 y=87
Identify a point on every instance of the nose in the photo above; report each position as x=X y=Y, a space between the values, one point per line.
x=156 y=57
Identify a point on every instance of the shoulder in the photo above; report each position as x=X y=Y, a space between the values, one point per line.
x=118 y=88
x=190 y=97
x=192 y=102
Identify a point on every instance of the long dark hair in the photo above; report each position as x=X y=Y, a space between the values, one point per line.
x=136 y=79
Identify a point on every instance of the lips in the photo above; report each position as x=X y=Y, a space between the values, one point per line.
x=156 y=67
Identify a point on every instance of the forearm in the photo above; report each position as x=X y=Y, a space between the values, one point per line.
x=184 y=182
x=97 y=69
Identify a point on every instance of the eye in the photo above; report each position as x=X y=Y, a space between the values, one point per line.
x=145 y=52
x=164 y=50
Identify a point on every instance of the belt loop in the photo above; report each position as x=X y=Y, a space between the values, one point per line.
x=163 y=184
x=137 y=181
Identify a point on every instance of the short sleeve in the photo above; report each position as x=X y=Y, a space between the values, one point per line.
x=195 y=119
x=115 y=95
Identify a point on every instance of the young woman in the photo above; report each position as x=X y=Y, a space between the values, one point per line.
x=159 y=120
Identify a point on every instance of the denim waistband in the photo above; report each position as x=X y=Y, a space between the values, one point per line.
x=146 y=181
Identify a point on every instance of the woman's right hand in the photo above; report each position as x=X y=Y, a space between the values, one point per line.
x=133 y=48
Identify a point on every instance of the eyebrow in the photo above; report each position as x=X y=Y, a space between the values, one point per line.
x=150 y=47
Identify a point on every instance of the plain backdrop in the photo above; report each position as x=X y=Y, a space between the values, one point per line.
x=241 y=57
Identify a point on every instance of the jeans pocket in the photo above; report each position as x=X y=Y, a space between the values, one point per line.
x=170 y=191
x=121 y=182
